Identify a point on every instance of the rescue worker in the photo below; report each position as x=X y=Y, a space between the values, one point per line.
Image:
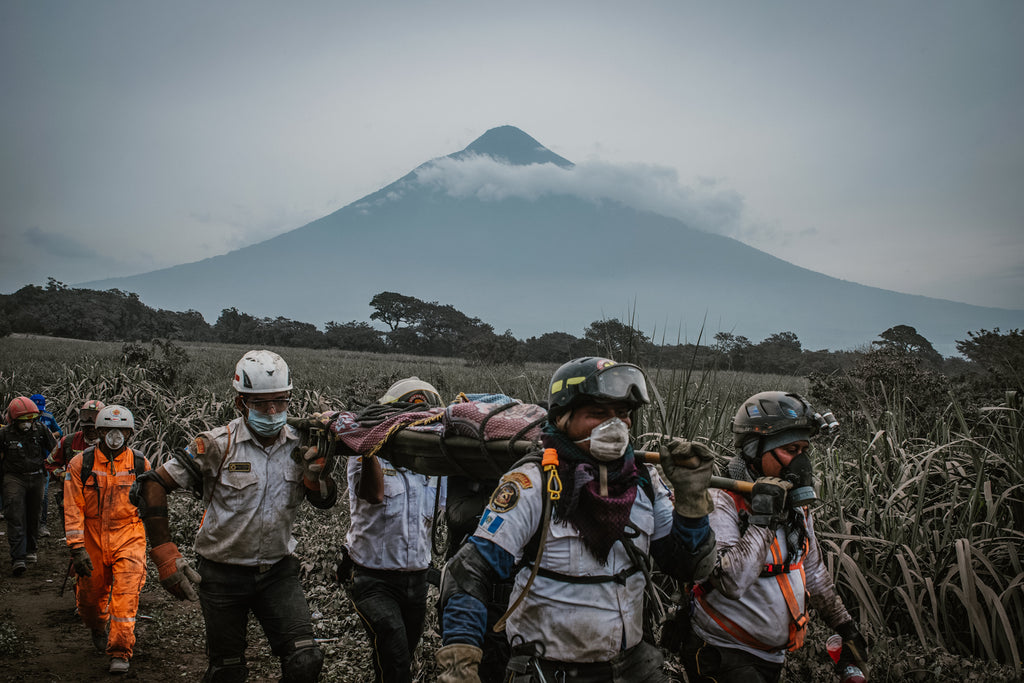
x=593 y=518
x=71 y=445
x=389 y=543
x=106 y=536
x=47 y=419
x=252 y=487
x=753 y=607
x=24 y=445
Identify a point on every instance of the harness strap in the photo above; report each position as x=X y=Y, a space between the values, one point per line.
x=618 y=577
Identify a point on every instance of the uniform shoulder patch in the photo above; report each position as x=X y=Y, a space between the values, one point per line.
x=199 y=446
x=520 y=478
x=505 y=497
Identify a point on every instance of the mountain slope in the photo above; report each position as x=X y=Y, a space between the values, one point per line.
x=554 y=262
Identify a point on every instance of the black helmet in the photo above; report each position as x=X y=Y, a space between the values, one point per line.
x=767 y=414
x=599 y=379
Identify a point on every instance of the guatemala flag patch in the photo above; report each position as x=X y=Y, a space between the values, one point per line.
x=490 y=521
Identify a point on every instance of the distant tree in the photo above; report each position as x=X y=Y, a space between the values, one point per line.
x=906 y=339
x=778 y=353
x=734 y=348
x=354 y=336
x=999 y=354
x=394 y=309
x=553 y=347
x=234 y=327
x=617 y=340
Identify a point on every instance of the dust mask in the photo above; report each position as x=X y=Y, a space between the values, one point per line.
x=266 y=424
x=114 y=439
x=608 y=440
x=800 y=473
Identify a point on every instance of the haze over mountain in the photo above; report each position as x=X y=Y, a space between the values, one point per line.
x=503 y=231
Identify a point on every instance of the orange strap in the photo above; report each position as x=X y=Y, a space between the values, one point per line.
x=797 y=626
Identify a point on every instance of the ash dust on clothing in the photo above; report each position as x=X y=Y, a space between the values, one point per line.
x=577 y=622
x=253 y=492
x=99 y=517
x=395 y=534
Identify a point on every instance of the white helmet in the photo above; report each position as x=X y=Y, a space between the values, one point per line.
x=261 y=372
x=117 y=417
x=412 y=390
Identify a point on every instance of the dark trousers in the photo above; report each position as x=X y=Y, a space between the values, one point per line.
x=229 y=592
x=23 y=497
x=639 y=664
x=392 y=606
x=706 y=663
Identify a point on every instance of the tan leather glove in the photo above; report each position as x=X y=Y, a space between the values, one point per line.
x=176 y=574
x=81 y=561
x=313 y=471
x=458 y=663
x=689 y=466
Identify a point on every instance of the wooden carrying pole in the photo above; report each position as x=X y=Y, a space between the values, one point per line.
x=429 y=454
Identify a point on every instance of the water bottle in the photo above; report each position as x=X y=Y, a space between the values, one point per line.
x=850 y=673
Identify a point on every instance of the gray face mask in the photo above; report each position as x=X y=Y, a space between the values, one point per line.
x=114 y=439
x=608 y=440
x=800 y=473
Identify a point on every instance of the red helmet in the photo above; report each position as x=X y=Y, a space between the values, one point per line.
x=22 y=408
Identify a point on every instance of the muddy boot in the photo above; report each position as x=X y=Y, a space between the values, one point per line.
x=99 y=640
x=118 y=665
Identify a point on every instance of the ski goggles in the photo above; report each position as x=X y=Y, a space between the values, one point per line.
x=619 y=382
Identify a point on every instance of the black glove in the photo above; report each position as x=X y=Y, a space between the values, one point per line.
x=855 y=649
x=81 y=561
x=768 y=501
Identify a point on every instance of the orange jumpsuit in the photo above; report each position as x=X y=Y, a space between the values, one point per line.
x=99 y=517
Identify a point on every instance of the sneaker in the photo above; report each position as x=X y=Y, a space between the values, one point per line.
x=31 y=558
x=19 y=567
x=118 y=665
x=99 y=640
x=44 y=532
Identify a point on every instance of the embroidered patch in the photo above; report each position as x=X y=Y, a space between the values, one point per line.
x=491 y=522
x=199 y=446
x=389 y=471
x=505 y=497
x=519 y=478
x=240 y=467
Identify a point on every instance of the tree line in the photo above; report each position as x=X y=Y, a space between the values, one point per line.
x=413 y=326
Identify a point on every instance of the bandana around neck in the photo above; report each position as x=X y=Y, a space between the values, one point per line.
x=600 y=520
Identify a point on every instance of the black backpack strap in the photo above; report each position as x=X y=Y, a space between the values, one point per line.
x=88 y=460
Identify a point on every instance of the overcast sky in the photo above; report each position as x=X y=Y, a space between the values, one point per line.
x=878 y=142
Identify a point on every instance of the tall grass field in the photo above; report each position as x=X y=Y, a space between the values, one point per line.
x=924 y=536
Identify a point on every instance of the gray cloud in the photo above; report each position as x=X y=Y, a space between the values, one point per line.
x=704 y=205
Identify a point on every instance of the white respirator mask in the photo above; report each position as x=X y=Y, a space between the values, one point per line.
x=608 y=440
x=114 y=439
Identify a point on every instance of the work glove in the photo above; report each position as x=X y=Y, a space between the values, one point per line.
x=176 y=574
x=688 y=465
x=855 y=649
x=81 y=561
x=313 y=476
x=768 y=501
x=458 y=663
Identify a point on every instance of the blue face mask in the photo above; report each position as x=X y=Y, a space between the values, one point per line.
x=266 y=424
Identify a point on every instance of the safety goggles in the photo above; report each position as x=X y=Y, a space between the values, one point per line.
x=265 y=405
x=619 y=382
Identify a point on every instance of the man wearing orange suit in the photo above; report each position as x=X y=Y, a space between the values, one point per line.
x=106 y=535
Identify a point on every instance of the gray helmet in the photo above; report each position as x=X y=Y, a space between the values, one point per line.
x=598 y=379
x=775 y=418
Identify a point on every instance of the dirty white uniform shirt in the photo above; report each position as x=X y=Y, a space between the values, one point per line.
x=761 y=608
x=396 y=533
x=577 y=622
x=254 y=494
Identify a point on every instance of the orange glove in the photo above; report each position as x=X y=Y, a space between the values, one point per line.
x=176 y=574
x=312 y=470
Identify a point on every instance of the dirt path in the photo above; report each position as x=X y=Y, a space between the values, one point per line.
x=43 y=640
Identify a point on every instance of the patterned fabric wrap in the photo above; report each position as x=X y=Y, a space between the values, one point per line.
x=493 y=417
x=344 y=425
x=599 y=520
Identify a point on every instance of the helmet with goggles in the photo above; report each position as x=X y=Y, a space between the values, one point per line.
x=596 y=379
x=412 y=390
x=88 y=411
x=261 y=372
x=115 y=417
x=22 y=408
